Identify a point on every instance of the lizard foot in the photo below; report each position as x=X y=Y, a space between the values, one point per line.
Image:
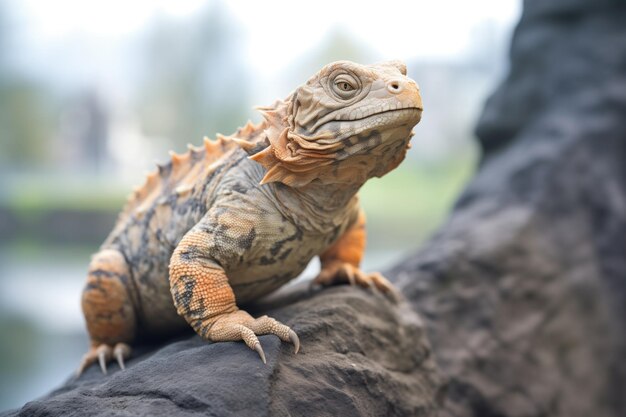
x=341 y=272
x=103 y=354
x=239 y=325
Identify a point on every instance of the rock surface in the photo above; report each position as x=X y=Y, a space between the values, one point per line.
x=360 y=355
x=524 y=289
x=522 y=292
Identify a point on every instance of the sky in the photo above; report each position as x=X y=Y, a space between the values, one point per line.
x=279 y=32
x=393 y=29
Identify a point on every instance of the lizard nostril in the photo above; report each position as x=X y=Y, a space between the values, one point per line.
x=394 y=87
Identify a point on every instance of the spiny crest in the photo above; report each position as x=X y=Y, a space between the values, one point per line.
x=182 y=170
x=247 y=132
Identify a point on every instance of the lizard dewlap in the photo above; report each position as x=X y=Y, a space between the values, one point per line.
x=237 y=218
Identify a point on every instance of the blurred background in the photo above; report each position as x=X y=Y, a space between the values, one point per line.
x=93 y=93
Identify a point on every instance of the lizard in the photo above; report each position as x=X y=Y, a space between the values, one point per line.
x=240 y=216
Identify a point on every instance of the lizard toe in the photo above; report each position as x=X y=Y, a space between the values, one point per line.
x=378 y=281
x=342 y=272
x=121 y=351
x=103 y=354
x=239 y=325
x=88 y=359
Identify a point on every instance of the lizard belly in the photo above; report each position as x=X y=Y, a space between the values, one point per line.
x=255 y=281
x=272 y=265
x=156 y=312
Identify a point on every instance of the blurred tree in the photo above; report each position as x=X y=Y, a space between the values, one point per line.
x=25 y=123
x=195 y=83
x=26 y=110
x=83 y=132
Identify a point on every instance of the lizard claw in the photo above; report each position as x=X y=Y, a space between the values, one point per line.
x=103 y=354
x=259 y=350
x=84 y=363
x=103 y=361
x=337 y=272
x=293 y=337
x=351 y=278
x=121 y=352
x=120 y=360
x=239 y=325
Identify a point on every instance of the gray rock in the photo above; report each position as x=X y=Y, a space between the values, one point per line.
x=522 y=291
x=360 y=355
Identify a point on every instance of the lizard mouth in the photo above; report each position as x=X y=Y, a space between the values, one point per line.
x=405 y=110
x=380 y=120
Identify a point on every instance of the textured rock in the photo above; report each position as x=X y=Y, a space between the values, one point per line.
x=360 y=355
x=523 y=291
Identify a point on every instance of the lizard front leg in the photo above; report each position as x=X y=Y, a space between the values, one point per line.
x=203 y=296
x=340 y=262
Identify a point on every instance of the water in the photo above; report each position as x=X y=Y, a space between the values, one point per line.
x=43 y=335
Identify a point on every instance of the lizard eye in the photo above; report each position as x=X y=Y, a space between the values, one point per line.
x=345 y=86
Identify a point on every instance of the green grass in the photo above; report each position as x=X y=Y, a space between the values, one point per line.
x=409 y=203
x=43 y=196
x=29 y=248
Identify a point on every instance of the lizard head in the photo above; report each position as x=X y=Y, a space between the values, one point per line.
x=347 y=123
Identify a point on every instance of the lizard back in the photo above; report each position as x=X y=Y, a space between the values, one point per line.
x=159 y=213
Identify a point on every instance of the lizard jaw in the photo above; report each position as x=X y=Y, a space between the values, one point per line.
x=359 y=117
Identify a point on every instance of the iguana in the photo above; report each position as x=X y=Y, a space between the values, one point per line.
x=234 y=220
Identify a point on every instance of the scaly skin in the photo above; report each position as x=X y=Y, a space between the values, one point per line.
x=238 y=218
